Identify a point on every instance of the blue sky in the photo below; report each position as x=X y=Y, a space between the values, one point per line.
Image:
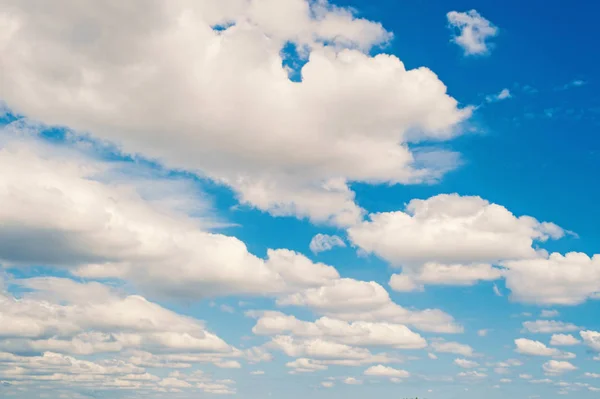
x=288 y=198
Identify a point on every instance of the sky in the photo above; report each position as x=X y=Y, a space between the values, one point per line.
x=292 y=198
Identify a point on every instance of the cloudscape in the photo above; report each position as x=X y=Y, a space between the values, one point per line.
x=299 y=198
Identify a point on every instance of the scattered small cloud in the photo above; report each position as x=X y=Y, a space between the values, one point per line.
x=502 y=95
x=547 y=313
x=471 y=31
x=571 y=84
x=227 y=309
x=324 y=242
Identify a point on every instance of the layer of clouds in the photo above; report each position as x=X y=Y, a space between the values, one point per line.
x=227 y=108
x=349 y=299
x=448 y=229
x=58 y=209
x=357 y=333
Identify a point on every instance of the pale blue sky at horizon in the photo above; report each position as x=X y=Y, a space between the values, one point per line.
x=291 y=198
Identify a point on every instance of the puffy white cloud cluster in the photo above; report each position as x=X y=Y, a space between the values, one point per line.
x=58 y=209
x=63 y=316
x=203 y=86
x=357 y=333
x=349 y=299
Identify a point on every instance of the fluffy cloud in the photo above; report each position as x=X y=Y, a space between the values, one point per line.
x=473 y=31
x=536 y=348
x=349 y=299
x=324 y=242
x=357 y=333
x=557 y=279
x=438 y=274
x=427 y=231
x=304 y=365
x=384 y=371
x=591 y=339
x=227 y=109
x=564 y=340
x=555 y=367
x=548 y=326
x=60 y=315
x=466 y=364
x=59 y=210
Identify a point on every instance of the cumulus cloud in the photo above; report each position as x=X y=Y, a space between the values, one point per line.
x=58 y=209
x=358 y=333
x=227 y=109
x=591 y=339
x=555 y=367
x=536 y=348
x=548 y=326
x=349 y=299
x=438 y=274
x=564 y=340
x=61 y=315
x=427 y=231
x=324 y=242
x=384 y=371
x=472 y=31
x=453 y=347
x=559 y=279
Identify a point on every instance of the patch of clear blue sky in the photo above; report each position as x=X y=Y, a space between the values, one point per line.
x=537 y=153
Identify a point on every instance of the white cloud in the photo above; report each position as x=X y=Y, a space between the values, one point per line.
x=472 y=375
x=548 y=313
x=564 y=340
x=568 y=279
x=59 y=210
x=327 y=384
x=555 y=367
x=358 y=333
x=350 y=299
x=502 y=95
x=438 y=274
x=483 y=332
x=324 y=242
x=384 y=371
x=453 y=347
x=318 y=348
x=304 y=365
x=466 y=364
x=352 y=381
x=591 y=339
x=61 y=315
x=426 y=231
x=228 y=109
x=548 y=326
x=473 y=31
x=536 y=348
